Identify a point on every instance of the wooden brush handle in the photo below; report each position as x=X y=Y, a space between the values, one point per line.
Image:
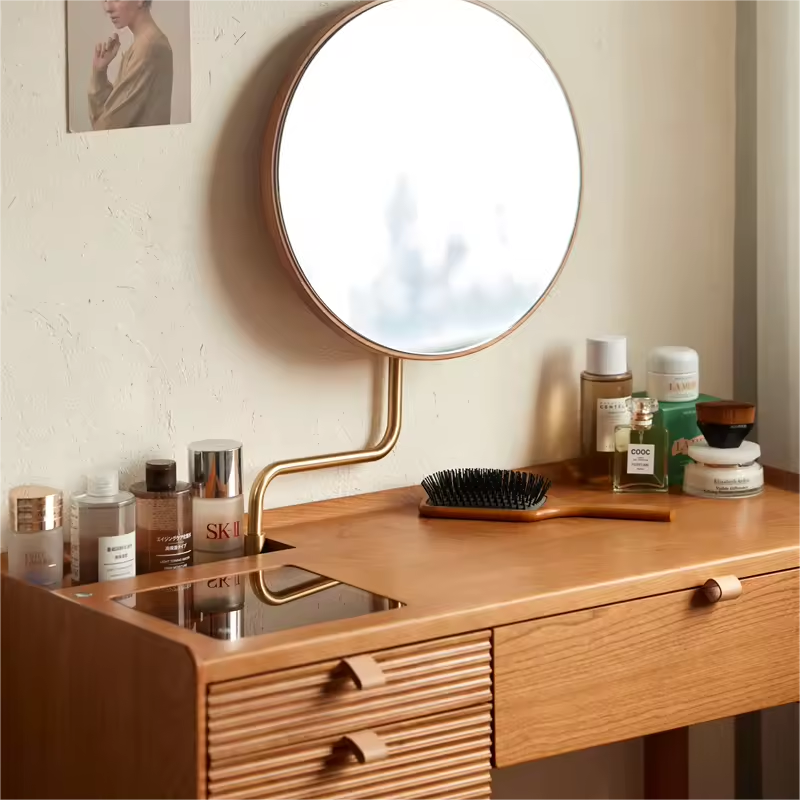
x=643 y=513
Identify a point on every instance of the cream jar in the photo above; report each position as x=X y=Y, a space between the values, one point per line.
x=673 y=374
x=36 y=540
x=725 y=474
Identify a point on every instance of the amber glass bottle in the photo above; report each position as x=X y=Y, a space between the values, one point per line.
x=163 y=519
x=606 y=386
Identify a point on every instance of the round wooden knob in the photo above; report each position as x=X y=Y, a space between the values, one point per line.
x=366 y=746
x=365 y=671
x=726 y=587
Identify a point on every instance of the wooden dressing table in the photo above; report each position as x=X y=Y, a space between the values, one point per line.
x=516 y=642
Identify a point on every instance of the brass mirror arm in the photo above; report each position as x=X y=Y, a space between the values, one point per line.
x=281 y=598
x=254 y=539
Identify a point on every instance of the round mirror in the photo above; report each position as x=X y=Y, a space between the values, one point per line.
x=422 y=176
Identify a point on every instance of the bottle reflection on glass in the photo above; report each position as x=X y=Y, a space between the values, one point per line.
x=641 y=449
x=219 y=602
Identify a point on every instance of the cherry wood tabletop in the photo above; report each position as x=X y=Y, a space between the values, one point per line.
x=458 y=576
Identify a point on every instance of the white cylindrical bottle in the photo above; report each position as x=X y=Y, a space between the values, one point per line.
x=215 y=472
x=36 y=544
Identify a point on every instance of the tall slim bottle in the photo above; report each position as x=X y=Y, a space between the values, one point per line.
x=215 y=472
x=606 y=386
x=103 y=531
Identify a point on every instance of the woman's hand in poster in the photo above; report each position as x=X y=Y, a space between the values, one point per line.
x=105 y=52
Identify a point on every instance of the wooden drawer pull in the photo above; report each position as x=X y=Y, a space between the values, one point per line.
x=726 y=587
x=365 y=671
x=366 y=746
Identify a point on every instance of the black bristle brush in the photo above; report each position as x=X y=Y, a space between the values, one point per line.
x=501 y=495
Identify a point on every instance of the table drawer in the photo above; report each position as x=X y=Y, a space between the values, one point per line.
x=605 y=674
x=441 y=756
x=279 y=708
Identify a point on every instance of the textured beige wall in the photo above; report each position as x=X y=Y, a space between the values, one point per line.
x=88 y=24
x=143 y=308
x=137 y=272
x=778 y=163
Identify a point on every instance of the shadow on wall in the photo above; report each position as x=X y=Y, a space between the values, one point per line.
x=263 y=300
x=556 y=412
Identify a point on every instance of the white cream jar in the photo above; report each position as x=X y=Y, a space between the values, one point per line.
x=725 y=474
x=673 y=374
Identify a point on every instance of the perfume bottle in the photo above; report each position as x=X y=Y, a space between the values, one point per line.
x=640 y=450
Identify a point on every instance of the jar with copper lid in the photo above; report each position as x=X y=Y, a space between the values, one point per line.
x=35 y=545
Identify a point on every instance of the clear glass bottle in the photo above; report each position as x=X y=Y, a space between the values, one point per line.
x=163 y=519
x=606 y=386
x=641 y=449
x=103 y=531
x=36 y=541
x=215 y=472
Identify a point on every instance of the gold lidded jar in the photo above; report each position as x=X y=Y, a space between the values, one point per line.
x=35 y=544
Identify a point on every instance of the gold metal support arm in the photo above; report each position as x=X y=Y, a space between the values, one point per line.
x=254 y=539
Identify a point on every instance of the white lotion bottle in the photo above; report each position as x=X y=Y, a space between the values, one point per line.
x=215 y=472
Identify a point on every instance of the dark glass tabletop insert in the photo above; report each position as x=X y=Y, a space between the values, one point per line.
x=227 y=607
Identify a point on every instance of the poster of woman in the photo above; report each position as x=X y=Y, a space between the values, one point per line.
x=129 y=63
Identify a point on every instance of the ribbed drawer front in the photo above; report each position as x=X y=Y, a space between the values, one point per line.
x=251 y=715
x=440 y=756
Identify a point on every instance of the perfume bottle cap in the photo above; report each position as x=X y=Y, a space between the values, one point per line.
x=607 y=355
x=215 y=468
x=161 y=475
x=35 y=508
x=642 y=410
x=103 y=483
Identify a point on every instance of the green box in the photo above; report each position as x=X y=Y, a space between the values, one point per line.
x=680 y=419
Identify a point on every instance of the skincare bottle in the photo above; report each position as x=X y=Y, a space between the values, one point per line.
x=215 y=472
x=103 y=531
x=673 y=374
x=36 y=541
x=640 y=450
x=606 y=386
x=163 y=519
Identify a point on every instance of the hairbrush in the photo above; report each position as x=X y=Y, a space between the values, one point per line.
x=501 y=495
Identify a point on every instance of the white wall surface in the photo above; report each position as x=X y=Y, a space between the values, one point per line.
x=778 y=167
x=142 y=306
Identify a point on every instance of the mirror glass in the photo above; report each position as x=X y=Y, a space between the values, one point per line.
x=427 y=176
x=226 y=608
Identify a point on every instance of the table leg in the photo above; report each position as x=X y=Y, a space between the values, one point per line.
x=747 y=733
x=666 y=765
